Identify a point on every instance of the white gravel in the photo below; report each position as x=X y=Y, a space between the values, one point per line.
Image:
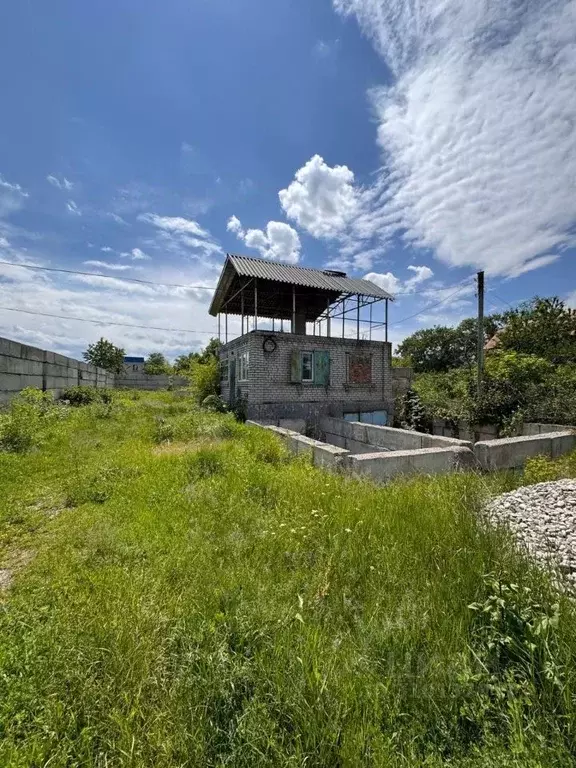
x=543 y=518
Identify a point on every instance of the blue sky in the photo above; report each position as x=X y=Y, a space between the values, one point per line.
x=414 y=142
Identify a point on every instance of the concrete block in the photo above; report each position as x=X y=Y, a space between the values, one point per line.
x=382 y=467
x=357 y=431
x=32 y=353
x=562 y=442
x=437 y=441
x=328 y=457
x=337 y=440
x=17 y=365
x=14 y=382
x=511 y=452
x=299 y=444
x=393 y=439
x=61 y=360
x=12 y=348
x=356 y=446
x=333 y=426
x=295 y=425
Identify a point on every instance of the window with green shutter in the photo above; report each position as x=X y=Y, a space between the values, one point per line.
x=322 y=368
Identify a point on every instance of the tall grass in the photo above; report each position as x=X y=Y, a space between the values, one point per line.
x=225 y=605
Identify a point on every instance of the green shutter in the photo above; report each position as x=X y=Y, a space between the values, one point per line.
x=295 y=367
x=322 y=368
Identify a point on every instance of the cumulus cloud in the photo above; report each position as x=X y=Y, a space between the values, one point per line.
x=476 y=129
x=138 y=255
x=279 y=241
x=59 y=182
x=393 y=284
x=321 y=200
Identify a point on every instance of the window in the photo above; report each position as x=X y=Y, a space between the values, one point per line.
x=224 y=369
x=307 y=366
x=243 y=366
x=310 y=367
x=134 y=367
x=359 y=368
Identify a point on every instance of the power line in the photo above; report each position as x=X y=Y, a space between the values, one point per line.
x=105 y=322
x=108 y=277
x=170 y=285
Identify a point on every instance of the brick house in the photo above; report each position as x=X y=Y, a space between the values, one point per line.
x=315 y=354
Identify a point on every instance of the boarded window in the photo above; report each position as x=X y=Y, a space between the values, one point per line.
x=359 y=368
x=224 y=368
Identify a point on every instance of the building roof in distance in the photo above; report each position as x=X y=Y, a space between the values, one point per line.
x=133 y=359
x=322 y=281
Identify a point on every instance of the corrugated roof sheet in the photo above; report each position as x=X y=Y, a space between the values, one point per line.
x=312 y=278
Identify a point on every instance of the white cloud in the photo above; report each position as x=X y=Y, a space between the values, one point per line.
x=73 y=208
x=571 y=300
x=476 y=130
x=322 y=200
x=60 y=183
x=386 y=280
x=107 y=265
x=107 y=249
x=175 y=224
x=116 y=218
x=179 y=235
x=389 y=282
x=138 y=255
x=279 y=241
x=12 y=196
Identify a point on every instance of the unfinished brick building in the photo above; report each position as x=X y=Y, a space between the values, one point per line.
x=305 y=347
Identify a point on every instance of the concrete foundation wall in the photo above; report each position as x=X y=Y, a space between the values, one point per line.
x=380 y=466
x=372 y=436
x=23 y=366
x=512 y=452
x=483 y=432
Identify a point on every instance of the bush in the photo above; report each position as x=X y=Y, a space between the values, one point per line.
x=214 y=403
x=205 y=378
x=30 y=412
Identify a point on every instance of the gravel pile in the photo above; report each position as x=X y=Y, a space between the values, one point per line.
x=543 y=518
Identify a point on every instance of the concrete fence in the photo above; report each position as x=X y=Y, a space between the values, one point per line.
x=23 y=366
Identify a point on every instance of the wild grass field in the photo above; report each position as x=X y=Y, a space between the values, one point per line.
x=178 y=591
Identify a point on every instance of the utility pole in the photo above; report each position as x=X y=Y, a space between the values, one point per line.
x=480 y=355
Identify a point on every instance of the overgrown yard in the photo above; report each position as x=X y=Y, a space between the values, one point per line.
x=179 y=592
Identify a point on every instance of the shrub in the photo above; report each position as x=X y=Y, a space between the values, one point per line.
x=540 y=469
x=205 y=378
x=30 y=412
x=80 y=395
x=214 y=403
x=164 y=432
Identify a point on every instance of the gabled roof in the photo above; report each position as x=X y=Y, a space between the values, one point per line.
x=324 y=281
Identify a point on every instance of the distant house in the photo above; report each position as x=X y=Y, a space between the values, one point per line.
x=134 y=364
x=316 y=354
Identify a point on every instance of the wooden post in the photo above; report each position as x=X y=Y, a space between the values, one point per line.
x=226 y=325
x=255 y=303
x=370 y=331
x=219 y=339
x=328 y=317
x=343 y=318
x=293 y=309
x=358 y=317
x=242 y=309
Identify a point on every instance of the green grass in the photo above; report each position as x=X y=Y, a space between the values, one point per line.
x=198 y=598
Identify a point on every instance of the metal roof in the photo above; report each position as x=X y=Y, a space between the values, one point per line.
x=323 y=280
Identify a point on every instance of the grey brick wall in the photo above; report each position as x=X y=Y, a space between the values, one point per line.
x=270 y=393
x=23 y=366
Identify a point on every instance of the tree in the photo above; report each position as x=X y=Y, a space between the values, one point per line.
x=211 y=350
x=542 y=327
x=105 y=355
x=156 y=364
x=439 y=349
x=183 y=364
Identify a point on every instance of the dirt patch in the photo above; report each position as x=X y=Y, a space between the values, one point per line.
x=16 y=562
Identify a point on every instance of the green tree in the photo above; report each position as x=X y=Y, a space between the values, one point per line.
x=156 y=363
x=542 y=327
x=105 y=355
x=183 y=363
